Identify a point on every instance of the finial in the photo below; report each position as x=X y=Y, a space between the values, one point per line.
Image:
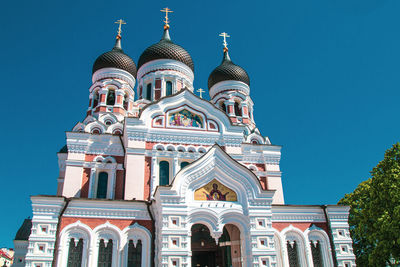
x=201 y=91
x=120 y=22
x=225 y=44
x=166 y=21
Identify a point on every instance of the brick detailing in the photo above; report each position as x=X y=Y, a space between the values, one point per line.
x=300 y=225
x=147 y=177
x=94 y=222
x=158 y=83
x=90 y=158
x=263 y=181
x=120 y=99
x=85 y=182
x=260 y=166
x=245 y=111
x=157 y=94
x=119 y=184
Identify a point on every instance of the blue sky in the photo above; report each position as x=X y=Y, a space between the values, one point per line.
x=324 y=79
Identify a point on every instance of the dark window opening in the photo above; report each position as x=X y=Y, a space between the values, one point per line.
x=238 y=111
x=111 y=97
x=148 y=92
x=75 y=253
x=102 y=185
x=126 y=102
x=164 y=173
x=96 y=99
x=96 y=131
x=293 y=254
x=135 y=254
x=105 y=253
x=168 y=88
x=316 y=254
x=223 y=107
x=184 y=164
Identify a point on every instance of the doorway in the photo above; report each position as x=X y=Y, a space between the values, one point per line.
x=206 y=253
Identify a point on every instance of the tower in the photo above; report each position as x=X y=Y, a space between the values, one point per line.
x=229 y=88
x=164 y=68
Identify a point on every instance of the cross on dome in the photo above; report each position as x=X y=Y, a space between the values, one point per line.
x=225 y=44
x=201 y=91
x=166 y=21
x=120 y=22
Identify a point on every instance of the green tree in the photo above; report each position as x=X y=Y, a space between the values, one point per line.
x=375 y=214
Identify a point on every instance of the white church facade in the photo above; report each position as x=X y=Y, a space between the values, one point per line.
x=158 y=176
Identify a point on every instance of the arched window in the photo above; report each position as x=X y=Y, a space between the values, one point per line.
x=238 y=112
x=168 y=88
x=102 y=185
x=148 y=92
x=140 y=92
x=223 y=106
x=164 y=173
x=126 y=102
x=184 y=164
x=105 y=253
x=111 y=97
x=293 y=254
x=316 y=253
x=75 y=253
x=96 y=99
x=135 y=254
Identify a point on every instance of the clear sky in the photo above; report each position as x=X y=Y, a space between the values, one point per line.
x=324 y=79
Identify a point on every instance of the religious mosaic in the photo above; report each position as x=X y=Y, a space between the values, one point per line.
x=185 y=118
x=215 y=191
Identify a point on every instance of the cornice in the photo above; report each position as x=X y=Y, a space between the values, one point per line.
x=229 y=86
x=165 y=64
x=105 y=73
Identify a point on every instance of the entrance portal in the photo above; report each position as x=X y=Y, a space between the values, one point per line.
x=206 y=253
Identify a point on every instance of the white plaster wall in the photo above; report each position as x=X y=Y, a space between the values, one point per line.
x=134 y=180
x=275 y=183
x=72 y=181
x=233 y=150
x=76 y=156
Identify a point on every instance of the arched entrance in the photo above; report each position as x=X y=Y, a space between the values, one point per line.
x=207 y=253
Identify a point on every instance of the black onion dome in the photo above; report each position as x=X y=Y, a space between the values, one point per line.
x=228 y=71
x=116 y=58
x=166 y=49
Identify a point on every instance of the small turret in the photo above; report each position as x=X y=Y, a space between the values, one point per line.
x=164 y=68
x=114 y=77
x=229 y=89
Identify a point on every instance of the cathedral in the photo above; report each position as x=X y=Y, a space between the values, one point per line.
x=156 y=176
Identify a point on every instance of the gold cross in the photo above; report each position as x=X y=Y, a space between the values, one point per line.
x=166 y=21
x=201 y=91
x=225 y=35
x=120 y=22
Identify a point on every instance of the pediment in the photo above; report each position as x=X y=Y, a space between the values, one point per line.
x=214 y=175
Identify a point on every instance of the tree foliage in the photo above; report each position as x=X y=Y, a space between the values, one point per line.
x=375 y=213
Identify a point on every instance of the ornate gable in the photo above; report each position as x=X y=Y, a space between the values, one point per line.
x=217 y=177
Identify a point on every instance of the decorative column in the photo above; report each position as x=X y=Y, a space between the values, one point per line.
x=92 y=180
x=110 y=192
x=153 y=176
x=176 y=165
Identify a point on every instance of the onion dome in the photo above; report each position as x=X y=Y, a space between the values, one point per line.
x=116 y=58
x=166 y=49
x=228 y=71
